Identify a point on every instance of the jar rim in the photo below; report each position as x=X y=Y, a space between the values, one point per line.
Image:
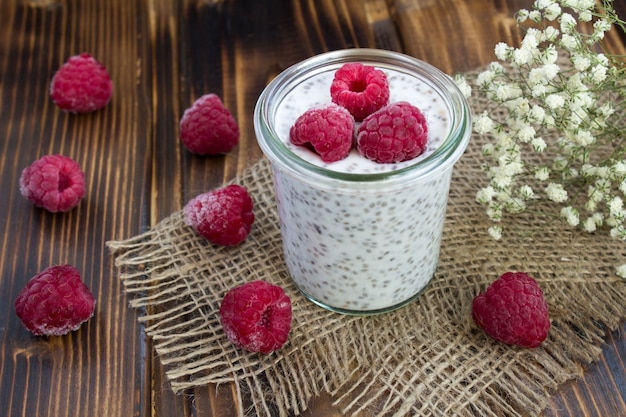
x=445 y=155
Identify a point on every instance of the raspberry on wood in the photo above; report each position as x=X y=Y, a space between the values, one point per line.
x=81 y=85
x=223 y=216
x=362 y=89
x=398 y=132
x=208 y=127
x=513 y=310
x=329 y=130
x=55 y=302
x=54 y=182
x=256 y=316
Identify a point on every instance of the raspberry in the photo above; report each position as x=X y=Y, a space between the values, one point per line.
x=513 y=311
x=55 y=302
x=81 y=85
x=256 y=316
x=329 y=130
x=362 y=89
x=398 y=132
x=54 y=182
x=208 y=128
x=223 y=216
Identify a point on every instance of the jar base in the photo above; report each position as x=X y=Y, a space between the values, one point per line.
x=362 y=312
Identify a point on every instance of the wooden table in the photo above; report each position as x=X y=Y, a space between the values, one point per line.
x=162 y=55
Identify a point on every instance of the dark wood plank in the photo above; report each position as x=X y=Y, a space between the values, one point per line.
x=98 y=368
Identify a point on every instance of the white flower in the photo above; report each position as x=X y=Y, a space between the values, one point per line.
x=484 y=124
x=495 y=232
x=584 y=138
x=494 y=213
x=598 y=73
x=485 y=195
x=485 y=77
x=552 y=11
x=555 y=101
x=581 y=63
x=542 y=4
x=518 y=107
x=621 y=271
x=522 y=15
x=584 y=5
x=551 y=70
x=526 y=133
x=574 y=106
x=616 y=207
x=619 y=169
x=537 y=113
x=535 y=16
x=502 y=51
x=618 y=232
x=585 y=16
x=542 y=174
x=538 y=144
x=599 y=28
x=522 y=56
x=526 y=192
x=570 y=214
x=589 y=225
x=507 y=92
x=550 y=34
x=556 y=192
x=568 y=23
x=463 y=85
x=569 y=42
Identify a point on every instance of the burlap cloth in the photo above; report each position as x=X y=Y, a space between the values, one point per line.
x=426 y=359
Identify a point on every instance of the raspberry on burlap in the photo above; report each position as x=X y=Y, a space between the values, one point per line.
x=256 y=316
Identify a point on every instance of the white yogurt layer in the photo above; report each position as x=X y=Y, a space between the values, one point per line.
x=402 y=87
x=361 y=249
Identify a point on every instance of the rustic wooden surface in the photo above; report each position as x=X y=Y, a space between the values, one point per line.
x=162 y=54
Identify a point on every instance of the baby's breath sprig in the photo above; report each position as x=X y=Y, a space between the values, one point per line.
x=560 y=94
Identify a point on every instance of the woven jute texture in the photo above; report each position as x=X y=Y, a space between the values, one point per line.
x=426 y=359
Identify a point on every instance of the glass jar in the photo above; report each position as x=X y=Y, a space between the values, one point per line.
x=361 y=237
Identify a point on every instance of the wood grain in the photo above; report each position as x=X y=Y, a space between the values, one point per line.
x=162 y=55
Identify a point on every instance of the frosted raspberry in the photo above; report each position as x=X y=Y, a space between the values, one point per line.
x=398 y=132
x=513 y=311
x=256 y=316
x=54 y=182
x=55 y=302
x=81 y=85
x=208 y=128
x=362 y=89
x=329 y=130
x=223 y=216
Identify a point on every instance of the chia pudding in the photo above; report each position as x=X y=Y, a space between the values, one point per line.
x=361 y=237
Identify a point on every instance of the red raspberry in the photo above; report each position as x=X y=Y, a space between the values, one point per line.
x=397 y=132
x=54 y=182
x=223 y=216
x=329 y=130
x=362 y=89
x=81 y=85
x=513 y=311
x=256 y=316
x=208 y=128
x=55 y=302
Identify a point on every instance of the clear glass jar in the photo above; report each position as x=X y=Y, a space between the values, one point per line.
x=360 y=237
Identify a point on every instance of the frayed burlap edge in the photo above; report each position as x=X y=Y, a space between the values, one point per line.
x=426 y=359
